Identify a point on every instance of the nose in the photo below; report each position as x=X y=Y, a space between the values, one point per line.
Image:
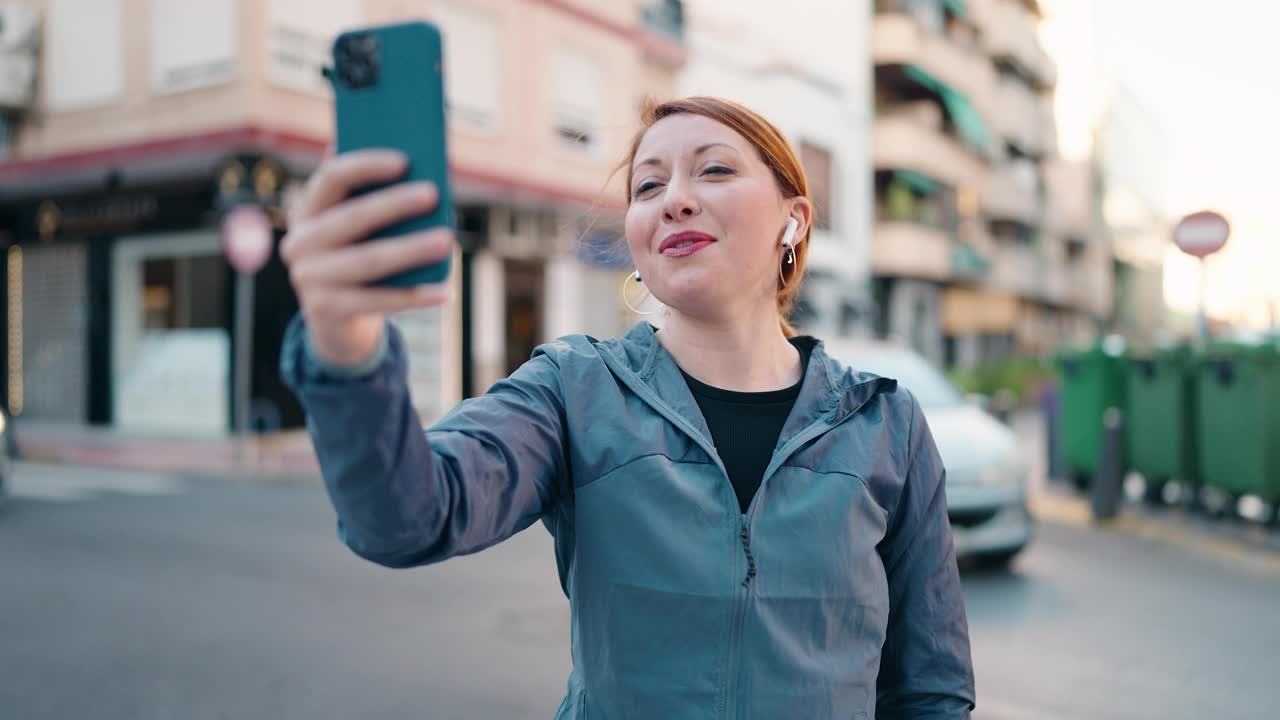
x=679 y=203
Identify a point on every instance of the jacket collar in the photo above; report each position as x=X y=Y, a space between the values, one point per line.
x=829 y=394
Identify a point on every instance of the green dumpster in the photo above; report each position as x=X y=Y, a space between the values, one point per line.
x=1092 y=381
x=1238 y=394
x=1160 y=427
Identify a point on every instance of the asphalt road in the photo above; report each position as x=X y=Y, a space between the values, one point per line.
x=136 y=596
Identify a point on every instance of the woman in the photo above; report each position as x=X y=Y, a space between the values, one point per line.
x=743 y=526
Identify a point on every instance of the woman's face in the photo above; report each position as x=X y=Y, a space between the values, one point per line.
x=705 y=218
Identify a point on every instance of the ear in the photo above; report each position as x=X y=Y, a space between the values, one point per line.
x=800 y=209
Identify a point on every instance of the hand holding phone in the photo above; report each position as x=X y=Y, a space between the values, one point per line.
x=388 y=87
x=333 y=272
x=389 y=184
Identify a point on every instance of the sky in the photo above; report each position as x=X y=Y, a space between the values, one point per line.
x=1205 y=72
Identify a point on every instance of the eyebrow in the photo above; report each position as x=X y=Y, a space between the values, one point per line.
x=701 y=149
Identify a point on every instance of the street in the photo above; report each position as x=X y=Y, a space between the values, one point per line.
x=128 y=595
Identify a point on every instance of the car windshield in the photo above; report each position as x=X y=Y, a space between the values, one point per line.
x=930 y=386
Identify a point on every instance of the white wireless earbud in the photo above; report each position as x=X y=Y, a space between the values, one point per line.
x=789 y=234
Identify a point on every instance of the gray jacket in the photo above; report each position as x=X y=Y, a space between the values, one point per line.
x=835 y=596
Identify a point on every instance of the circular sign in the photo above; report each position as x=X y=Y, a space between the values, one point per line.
x=247 y=238
x=1202 y=233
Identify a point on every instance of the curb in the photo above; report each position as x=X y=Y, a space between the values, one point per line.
x=282 y=457
x=1074 y=512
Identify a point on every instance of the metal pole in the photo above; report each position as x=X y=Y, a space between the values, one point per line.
x=1108 y=481
x=244 y=351
x=1203 y=333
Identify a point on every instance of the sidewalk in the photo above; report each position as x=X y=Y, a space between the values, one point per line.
x=1223 y=538
x=265 y=456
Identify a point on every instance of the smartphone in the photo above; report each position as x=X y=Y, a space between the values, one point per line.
x=388 y=85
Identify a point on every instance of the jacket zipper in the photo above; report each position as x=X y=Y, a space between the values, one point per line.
x=740 y=594
x=802 y=437
x=744 y=534
x=746 y=549
x=739 y=618
x=744 y=525
x=744 y=587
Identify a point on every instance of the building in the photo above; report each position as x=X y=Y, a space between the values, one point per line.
x=1132 y=151
x=981 y=236
x=131 y=126
x=809 y=79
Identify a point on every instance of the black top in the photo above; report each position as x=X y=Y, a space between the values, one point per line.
x=745 y=426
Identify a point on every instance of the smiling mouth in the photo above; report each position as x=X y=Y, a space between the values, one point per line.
x=684 y=244
x=684 y=248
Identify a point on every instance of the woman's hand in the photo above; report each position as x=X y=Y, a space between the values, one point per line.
x=331 y=270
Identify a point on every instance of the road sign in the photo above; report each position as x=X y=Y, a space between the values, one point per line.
x=247 y=238
x=1201 y=233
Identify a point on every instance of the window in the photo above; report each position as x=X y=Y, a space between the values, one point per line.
x=472 y=65
x=817 y=166
x=85 y=53
x=929 y=13
x=579 y=95
x=184 y=292
x=299 y=34
x=6 y=137
x=666 y=17
x=193 y=43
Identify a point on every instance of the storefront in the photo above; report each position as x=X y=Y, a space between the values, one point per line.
x=119 y=303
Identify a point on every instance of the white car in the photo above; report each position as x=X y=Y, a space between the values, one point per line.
x=986 y=474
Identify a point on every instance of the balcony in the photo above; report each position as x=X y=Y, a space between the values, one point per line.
x=1023 y=117
x=1068 y=194
x=910 y=137
x=1010 y=193
x=907 y=249
x=1017 y=269
x=1056 y=288
x=1090 y=288
x=899 y=39
x=1010 y=33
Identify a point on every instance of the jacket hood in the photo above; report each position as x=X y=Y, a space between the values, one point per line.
x=830 y=392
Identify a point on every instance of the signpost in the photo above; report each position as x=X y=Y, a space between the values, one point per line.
x=247 y=241
x=1201 y=234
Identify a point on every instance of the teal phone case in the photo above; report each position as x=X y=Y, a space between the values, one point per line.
x=403 y=109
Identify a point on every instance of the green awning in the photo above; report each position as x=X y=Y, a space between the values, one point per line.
x=917 y=181
x=957 y=7
x=962 y=112
x=966 y=118
x=915 y=72
x=966 y=261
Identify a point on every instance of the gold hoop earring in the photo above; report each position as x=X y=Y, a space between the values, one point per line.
x=627 y=301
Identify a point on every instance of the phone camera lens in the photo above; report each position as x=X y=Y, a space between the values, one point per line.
x=358 y=61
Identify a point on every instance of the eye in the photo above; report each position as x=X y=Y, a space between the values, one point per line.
x=645 y=187
x=718 y=170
